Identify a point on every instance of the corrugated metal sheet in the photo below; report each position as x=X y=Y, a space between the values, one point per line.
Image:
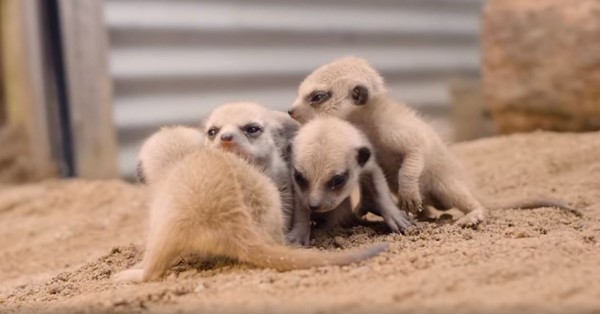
x=174 y=60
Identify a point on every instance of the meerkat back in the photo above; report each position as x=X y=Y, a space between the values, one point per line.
x=218 y=191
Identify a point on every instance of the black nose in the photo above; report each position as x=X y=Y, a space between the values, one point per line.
x=291 y=112
x=227 y=137
x=314 y=207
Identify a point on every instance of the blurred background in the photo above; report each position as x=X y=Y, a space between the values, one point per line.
x=84 y=82
x=173 y=61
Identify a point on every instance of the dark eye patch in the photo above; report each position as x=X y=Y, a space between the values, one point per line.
x=212 y=132
x=337 y=181
x=300 y=179
x=252 y=128
x=318 y=97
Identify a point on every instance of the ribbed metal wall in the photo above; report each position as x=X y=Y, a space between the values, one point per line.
x=174 y=60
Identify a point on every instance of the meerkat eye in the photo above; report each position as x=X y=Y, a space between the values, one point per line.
x=318 y=97
x=212 y=132
x=252 y=128
x=300 y=179
x=337 y=181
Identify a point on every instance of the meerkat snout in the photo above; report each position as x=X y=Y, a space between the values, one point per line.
x=226 y=138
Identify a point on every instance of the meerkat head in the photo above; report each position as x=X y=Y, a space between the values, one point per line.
x=337 y=89
x=328 y=156
x=163 y=149
x=249 y=130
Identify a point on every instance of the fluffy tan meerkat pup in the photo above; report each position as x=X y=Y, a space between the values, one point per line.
x=210 y=203
x=330 y=158
x=261 y=136
x=417 y=164
x=151 y=166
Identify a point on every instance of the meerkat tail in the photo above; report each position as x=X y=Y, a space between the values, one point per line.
x=258 y=251
x=533 y=203
x=283 y=258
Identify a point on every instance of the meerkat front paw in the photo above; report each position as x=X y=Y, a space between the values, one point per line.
x=299 y=236
x=410 y=200
x=397 y=220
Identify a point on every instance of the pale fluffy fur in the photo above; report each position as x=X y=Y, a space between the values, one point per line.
x=418 y=166
x=151 y=166
x=329 y=150
x=208 y=203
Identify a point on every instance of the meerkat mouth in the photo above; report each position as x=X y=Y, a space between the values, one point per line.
x=234 y=149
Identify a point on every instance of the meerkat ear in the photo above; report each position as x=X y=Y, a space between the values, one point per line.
x=286 y=126
x=363 y=155
x=360 y=95
x=284 y=131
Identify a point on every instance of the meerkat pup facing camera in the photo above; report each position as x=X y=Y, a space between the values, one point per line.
x=330 y=158
x=261 y=136
x=418 y=166
x=254 y=133
x=212 y=203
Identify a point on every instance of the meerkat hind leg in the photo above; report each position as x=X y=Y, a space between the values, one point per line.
x=454 y=193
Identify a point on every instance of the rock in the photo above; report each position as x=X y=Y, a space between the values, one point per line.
x=541 y=64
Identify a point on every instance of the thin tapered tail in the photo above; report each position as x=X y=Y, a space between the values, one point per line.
x=539 y=202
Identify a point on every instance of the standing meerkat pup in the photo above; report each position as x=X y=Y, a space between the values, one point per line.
x=212 y=203
x=418 y=166
x=260 y=136
x=330 y=158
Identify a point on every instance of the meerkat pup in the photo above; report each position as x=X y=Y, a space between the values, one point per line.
x=151 y=165
x=211 y=203
x=417 y=164
x=261 y=136
x=330 y=158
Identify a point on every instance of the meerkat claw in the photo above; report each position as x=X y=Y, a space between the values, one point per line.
x=398 y=223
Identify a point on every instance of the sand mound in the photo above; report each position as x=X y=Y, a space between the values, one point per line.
x=63 y=240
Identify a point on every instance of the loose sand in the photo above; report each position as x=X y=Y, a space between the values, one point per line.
x=61 y=241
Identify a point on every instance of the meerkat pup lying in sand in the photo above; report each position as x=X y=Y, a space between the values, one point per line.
x=210 y=203
x=260 y=136
x=418 y=166
x=331 y=158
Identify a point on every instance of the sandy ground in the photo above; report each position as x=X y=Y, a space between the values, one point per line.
x=61 y=241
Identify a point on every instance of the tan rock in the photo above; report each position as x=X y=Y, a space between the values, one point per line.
x=541 y=64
